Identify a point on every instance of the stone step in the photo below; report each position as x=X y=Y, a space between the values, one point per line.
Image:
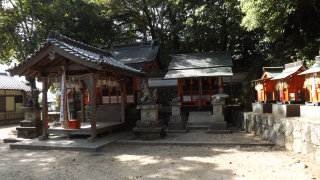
x=200 y=113
x=199 y=124
x=199 y=127
x=199 y=118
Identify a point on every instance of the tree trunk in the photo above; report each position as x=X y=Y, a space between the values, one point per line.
x=145 y=9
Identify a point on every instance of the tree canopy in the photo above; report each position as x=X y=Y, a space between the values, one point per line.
x=259 y=33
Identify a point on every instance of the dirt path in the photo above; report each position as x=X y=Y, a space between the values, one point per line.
x=158 y=162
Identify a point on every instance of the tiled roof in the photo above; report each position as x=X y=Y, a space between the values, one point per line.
x=290 y=69
x=201 y=60
x=10 y=83
x=81 y=50
x=193 y=65
x=273 y=74
x=134 y=54
x=198 y=73
x=314 y=69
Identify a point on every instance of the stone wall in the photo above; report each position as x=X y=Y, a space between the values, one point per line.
x=294 y=133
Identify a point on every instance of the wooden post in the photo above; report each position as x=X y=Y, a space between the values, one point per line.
x=5 y=112
x=200 y=94
x=82 y=113
x=123 y=108
x=92 y=108
x=44 y=107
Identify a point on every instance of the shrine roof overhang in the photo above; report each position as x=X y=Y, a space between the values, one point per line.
x=290 y=69
x=51 y=55
x=135 y=54
x=258 y=80
x=273 y=74
x=269 y=69
x=200 y=60
x=198 y=73
x=314 y=69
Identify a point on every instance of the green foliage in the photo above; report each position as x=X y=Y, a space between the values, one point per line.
x=291 y=28
x=259 y=33
x=26 y=23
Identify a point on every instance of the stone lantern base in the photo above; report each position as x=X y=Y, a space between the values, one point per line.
x=31 y=127
x=218 y=125
x=149 y=127
x=176 y=125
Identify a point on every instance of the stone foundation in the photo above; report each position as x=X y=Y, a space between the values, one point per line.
x=149 y=127
x=286 y=110
x=262 y=108
x=31 y=127
x=295 y=133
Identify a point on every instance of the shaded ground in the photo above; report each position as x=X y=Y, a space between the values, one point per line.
x=157 y=162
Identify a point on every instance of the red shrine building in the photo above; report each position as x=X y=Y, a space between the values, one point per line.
x=266 y=88
x=199 y=76
x=142 y=56
x=289 y=84
x=312 y=81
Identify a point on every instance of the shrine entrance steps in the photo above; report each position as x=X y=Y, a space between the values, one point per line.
x=199 y=120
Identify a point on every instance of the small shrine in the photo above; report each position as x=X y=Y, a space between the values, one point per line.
x=199 y=76
x=290 y=85
x=291 y=91
x=266 y=90
x=311 y=109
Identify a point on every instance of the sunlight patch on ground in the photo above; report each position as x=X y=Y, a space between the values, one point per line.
x=144 y=160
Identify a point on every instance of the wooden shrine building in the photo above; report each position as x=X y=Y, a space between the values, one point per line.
x=312 y=82
x=199 y=76
x=13 y=95
x=290 y=85
x=266 y=88
x=141 y=56
x=85 y=66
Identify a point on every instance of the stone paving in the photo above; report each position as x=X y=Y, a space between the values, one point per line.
x=74 y=144
x=200 y=137
x=79 y=143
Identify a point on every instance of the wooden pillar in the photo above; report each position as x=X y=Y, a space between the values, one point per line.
x=200 y=94
x=24 y=98
x=82 y=113
x=44 y=107
x=5 y=103
x=92 y=109
x=123 y=108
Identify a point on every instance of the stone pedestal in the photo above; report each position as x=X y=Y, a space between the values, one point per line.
x=259 y=107
x=149 y=127
x=175 y=125
x=218 y=125
x=310 y=112
x=31 y=126
x=286 y=110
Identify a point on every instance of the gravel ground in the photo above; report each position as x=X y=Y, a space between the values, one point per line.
x=157 y=162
